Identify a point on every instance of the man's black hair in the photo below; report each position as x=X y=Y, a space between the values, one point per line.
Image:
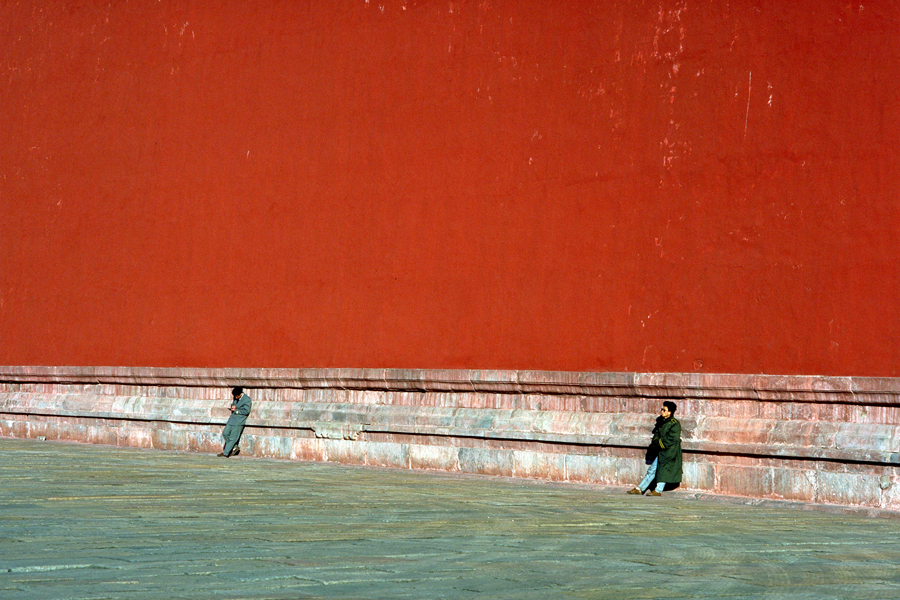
x=671 y=406
x=237 y=391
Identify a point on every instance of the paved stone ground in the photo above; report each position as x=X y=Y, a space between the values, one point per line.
x=96 y=522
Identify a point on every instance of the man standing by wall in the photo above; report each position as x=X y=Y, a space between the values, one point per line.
x=666 y=444
x=240 y=410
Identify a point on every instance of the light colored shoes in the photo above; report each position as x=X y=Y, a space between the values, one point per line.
x=636 y=491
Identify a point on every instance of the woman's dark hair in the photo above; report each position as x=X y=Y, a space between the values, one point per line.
x=671 y=406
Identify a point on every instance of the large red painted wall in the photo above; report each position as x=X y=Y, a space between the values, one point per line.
x=523 y=184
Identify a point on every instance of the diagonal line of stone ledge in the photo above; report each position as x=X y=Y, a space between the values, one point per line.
x=775 y=388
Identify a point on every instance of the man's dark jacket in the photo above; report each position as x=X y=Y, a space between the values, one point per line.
x=667 y=442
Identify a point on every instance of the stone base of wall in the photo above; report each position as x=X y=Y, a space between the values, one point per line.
x=825 y=440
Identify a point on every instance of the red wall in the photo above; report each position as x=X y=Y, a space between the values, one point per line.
x=610 y=185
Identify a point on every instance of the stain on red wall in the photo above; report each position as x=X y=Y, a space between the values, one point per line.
x=589 y=186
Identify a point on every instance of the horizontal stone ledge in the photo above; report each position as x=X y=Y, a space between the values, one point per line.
x=802 y=453
x=878 y=437
x=772 y=388
x=354 y=430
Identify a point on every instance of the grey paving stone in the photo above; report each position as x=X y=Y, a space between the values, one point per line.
x=97 y=522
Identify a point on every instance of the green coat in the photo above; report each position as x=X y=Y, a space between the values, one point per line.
x=668 y=440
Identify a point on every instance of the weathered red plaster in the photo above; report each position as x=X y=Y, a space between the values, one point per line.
x=582 y=186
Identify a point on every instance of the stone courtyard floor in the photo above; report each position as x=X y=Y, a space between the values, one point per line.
x=80 y=521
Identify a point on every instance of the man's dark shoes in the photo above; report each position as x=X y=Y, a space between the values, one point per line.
x=235 y=452
x=222 y=454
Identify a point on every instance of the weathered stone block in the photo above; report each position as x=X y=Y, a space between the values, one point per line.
x=344 y=451
x=744 y=481
x=794 y=484
x=853 y=489
x=486 y=461
x=699 y=475
x=267 y=446
x=442 y=458
x=308 y=449
x=539 y=465
x=134 y=436
x=166 y=439
x=602 y=469
x=387 y=454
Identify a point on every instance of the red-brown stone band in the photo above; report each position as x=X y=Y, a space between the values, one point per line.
x=816 y=439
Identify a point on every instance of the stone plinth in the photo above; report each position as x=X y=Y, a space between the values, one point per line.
x=815 y=439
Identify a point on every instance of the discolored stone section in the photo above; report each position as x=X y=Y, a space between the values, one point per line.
x=826 y=440
x=81 y=521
